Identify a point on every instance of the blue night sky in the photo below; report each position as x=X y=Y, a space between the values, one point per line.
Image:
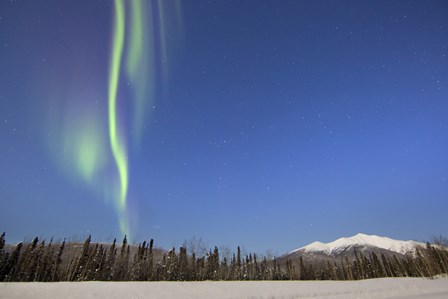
x=265 y=124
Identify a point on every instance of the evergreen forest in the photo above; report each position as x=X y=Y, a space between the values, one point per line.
x=50 y=262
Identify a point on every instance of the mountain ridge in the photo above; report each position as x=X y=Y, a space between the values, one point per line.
x=360 y=240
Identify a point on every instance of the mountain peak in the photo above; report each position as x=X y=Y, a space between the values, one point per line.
x=362 y=240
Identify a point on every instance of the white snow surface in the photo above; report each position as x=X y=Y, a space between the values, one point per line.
x=375 y=288
x=341 y=244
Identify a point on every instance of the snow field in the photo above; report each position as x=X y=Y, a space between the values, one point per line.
x=375 y=288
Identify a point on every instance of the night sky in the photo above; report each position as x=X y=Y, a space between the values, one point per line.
x=265 y=124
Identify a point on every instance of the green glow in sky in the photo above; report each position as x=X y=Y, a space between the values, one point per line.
x=117 y=142
x=88 y=152
x=83 y=148
x=140 y=63
x=133 y=45
x=94 y=142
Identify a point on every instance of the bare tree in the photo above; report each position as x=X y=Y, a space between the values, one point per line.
x=440 y=240
x=196 y=246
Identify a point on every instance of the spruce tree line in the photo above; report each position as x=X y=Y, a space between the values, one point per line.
x=38 y=261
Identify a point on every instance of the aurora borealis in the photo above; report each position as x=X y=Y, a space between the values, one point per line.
x=232 y=120
x=139 y=66
x=139 y=75
x=116 y=139
x=94 y=149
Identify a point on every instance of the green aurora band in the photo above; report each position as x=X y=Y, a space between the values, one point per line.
x=139 y=62
x=91 y=141
x=116 y=140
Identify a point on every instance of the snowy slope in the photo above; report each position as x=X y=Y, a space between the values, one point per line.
x=374 y=288
x=361 y=240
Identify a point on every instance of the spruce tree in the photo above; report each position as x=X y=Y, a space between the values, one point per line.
x=79 y=272
x=12 y=264
x=91 y=266
x=25 y=260
x=224 y=270
x=256 y=270
x=238 y=272
x=183 y=264
x=213 y=264
x=172 y=265
x=109 y=264
x=100 y=260
x=33 y=261
x=123 y=259
x=43 y=272
x=150 y=270
x=3 y=256
x=55 y=275
x=2 y=248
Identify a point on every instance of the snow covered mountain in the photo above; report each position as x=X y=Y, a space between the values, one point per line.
x=362 y=242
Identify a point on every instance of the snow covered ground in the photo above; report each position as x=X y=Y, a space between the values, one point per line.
x=375 y=288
